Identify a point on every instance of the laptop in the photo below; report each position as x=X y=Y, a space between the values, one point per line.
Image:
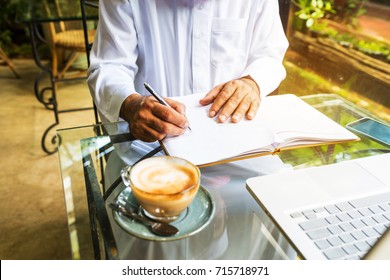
x=337 y=211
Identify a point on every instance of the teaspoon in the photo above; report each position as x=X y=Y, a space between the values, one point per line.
x=161 y=229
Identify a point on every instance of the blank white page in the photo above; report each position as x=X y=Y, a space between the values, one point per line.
x=209 y=141
x=292 y=118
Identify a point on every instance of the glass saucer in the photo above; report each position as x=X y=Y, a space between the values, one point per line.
x=191 y=221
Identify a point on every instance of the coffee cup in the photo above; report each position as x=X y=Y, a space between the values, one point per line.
x=164 y=186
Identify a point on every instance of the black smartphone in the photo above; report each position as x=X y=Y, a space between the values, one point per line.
x=372 y=129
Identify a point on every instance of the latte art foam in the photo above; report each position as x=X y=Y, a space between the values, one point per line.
x=162 y=177
x=164 y=186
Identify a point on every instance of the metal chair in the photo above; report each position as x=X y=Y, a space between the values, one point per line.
x=63 y=37
x=87 y=39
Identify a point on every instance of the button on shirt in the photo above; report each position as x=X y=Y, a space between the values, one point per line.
x=182 y=47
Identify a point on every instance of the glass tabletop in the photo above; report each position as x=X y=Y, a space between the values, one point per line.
x=91 y=158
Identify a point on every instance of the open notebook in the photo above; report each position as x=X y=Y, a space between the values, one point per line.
x=283 y=122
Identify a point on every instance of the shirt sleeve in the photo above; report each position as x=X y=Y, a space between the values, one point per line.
x=267 y=50
x=113 y=58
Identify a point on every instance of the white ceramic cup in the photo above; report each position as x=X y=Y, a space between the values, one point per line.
x=164 y=186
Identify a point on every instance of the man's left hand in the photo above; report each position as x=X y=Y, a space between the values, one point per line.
x=235 y=99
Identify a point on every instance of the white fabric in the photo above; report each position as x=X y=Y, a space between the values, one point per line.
x=182 y=47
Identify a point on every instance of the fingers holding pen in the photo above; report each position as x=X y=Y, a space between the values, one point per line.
x=173 y=122
x=177 y=106
x=150 y=121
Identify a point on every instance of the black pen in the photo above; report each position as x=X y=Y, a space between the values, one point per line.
x=158 y=97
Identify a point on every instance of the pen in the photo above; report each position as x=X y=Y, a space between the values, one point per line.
x=157 y=96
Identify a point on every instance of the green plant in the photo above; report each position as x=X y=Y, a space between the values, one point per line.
x=13 y=34
x=348 y=11
x=344 y=39
x=5 y=34
x=373 y=48
x=323 y=29
x=5 y=38
x=312 y=10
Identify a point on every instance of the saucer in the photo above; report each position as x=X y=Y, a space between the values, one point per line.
x=191 y=221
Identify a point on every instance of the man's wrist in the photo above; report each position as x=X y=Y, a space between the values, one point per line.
x=252 y=83
x=127 y=104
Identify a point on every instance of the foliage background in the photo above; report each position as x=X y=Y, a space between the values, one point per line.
x=14 y=38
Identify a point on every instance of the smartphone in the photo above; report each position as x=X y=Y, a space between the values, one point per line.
x=372 y=129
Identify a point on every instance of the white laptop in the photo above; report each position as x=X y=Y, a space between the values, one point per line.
x=336 y=211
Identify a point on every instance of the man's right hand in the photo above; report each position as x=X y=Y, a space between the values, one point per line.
x=150 y=121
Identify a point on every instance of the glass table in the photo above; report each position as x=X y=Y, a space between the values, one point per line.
x=91 y=158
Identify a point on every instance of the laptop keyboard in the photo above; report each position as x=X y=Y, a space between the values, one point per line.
x=346 y=230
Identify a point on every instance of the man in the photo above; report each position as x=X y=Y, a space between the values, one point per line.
x=231 y=50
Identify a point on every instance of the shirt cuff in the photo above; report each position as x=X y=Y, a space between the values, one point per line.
x=109 y=90
x=267 y=73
